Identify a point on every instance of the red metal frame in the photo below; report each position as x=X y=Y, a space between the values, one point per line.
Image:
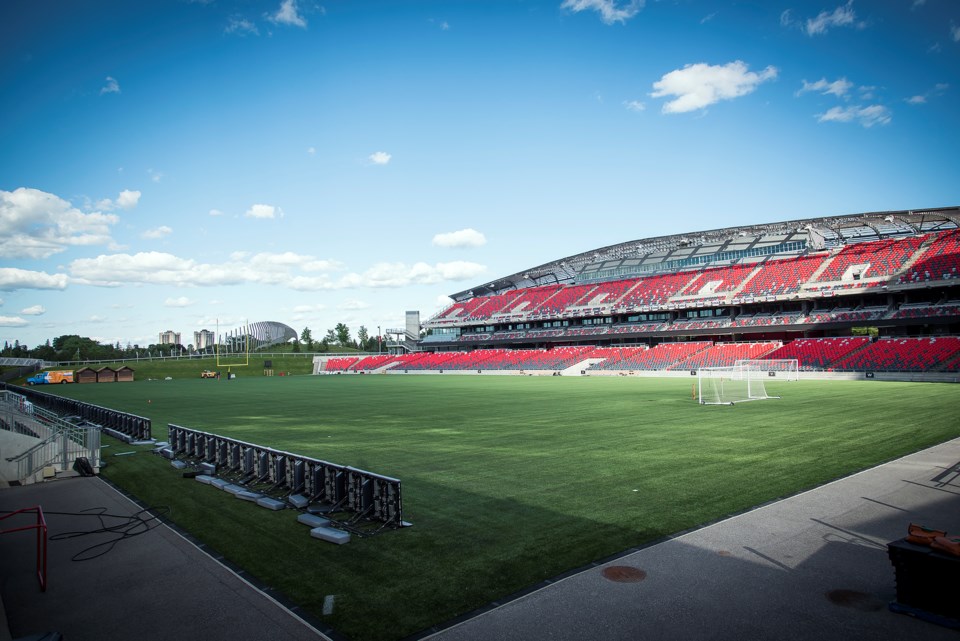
x=41 y=527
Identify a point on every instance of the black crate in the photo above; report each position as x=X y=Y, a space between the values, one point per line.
x=926 y=579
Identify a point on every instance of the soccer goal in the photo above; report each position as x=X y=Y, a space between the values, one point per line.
x=745 y=381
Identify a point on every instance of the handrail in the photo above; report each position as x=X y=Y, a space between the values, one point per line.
x=41 y=527
x=56 y=436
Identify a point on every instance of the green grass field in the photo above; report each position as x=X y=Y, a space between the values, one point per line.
x=507 y=480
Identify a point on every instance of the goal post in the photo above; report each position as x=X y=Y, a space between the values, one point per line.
x=738 y=383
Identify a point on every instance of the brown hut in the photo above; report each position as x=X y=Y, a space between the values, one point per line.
x=106 y=375
x=86 y=375
x=125 y=374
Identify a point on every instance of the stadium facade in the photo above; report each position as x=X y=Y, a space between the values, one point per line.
x=898 y=271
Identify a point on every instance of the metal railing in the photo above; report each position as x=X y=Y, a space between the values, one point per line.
x=41 y=527
x=60 y=443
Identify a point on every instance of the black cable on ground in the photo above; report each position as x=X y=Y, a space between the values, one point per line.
x=126 y=527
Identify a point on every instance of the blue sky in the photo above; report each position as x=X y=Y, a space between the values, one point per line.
x=176 y=164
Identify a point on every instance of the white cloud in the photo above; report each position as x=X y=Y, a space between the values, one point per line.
x=838 y=88
x=288 y=14
x=156 y=233
x=112 y=86
x=155 y=176
x=312 y=150
x=635 y=105
x=379 y=158
x=241 y=27
x=305 y=309
x=35 y=310
x=275 y=262
x=125 y=200
x=182 y=301
x=954 y=32
x=401 y=274
x=216 y=212
x=700 y=85
x=842 y=16
x=786 y=18
x=264 y=211
x=12 y=278
x=36 y=224
x=865 y=116
x=463 y=238
x=353 y=304
x=293 y=271
x=920 y=99
x=128 y=199
x=610 y=10
x=12 y=321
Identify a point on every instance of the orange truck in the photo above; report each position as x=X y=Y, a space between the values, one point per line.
x=47 y=378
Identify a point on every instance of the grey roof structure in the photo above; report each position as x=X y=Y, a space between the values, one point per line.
x=261 y=334
x=717 y=246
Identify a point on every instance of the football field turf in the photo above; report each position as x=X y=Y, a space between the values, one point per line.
x=508 y=481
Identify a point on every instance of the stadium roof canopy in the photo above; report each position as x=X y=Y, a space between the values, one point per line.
x=721 y=246
x=262 y=334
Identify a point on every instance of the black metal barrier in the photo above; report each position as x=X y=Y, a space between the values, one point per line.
x=364 y=495
x=138 y=428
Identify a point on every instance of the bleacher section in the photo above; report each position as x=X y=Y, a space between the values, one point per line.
x=865 y=260
x=819 y=353
x=725 y=355
x=780 y=277
x=904 y=355
x=850 y=353
x=862 y=266
x=937 y=262
x=661 y=357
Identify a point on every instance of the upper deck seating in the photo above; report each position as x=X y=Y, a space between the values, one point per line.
x=879 y=258
x=655 y=290
x=940 y=261
x=716 y=280
x=783 y=276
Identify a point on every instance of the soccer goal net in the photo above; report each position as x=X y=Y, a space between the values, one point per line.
x=784 y=369
x=745 y=381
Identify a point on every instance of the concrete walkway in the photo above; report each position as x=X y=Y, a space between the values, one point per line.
x=155 y=585
x=813 y=566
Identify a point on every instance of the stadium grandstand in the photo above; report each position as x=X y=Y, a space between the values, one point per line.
x=806 y=289
x=897 y=271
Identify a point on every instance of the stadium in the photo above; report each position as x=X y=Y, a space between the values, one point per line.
x=543 y=433
x=799 y=289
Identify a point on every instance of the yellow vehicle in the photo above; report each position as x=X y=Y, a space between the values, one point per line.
x=208 y=374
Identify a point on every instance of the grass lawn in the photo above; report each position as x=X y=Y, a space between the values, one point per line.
x=507 y=480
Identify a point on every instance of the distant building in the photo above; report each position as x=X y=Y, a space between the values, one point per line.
x=203 y=339
x=170 y=337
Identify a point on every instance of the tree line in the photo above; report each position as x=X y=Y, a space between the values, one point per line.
x=72 y=347
x=339 y=336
